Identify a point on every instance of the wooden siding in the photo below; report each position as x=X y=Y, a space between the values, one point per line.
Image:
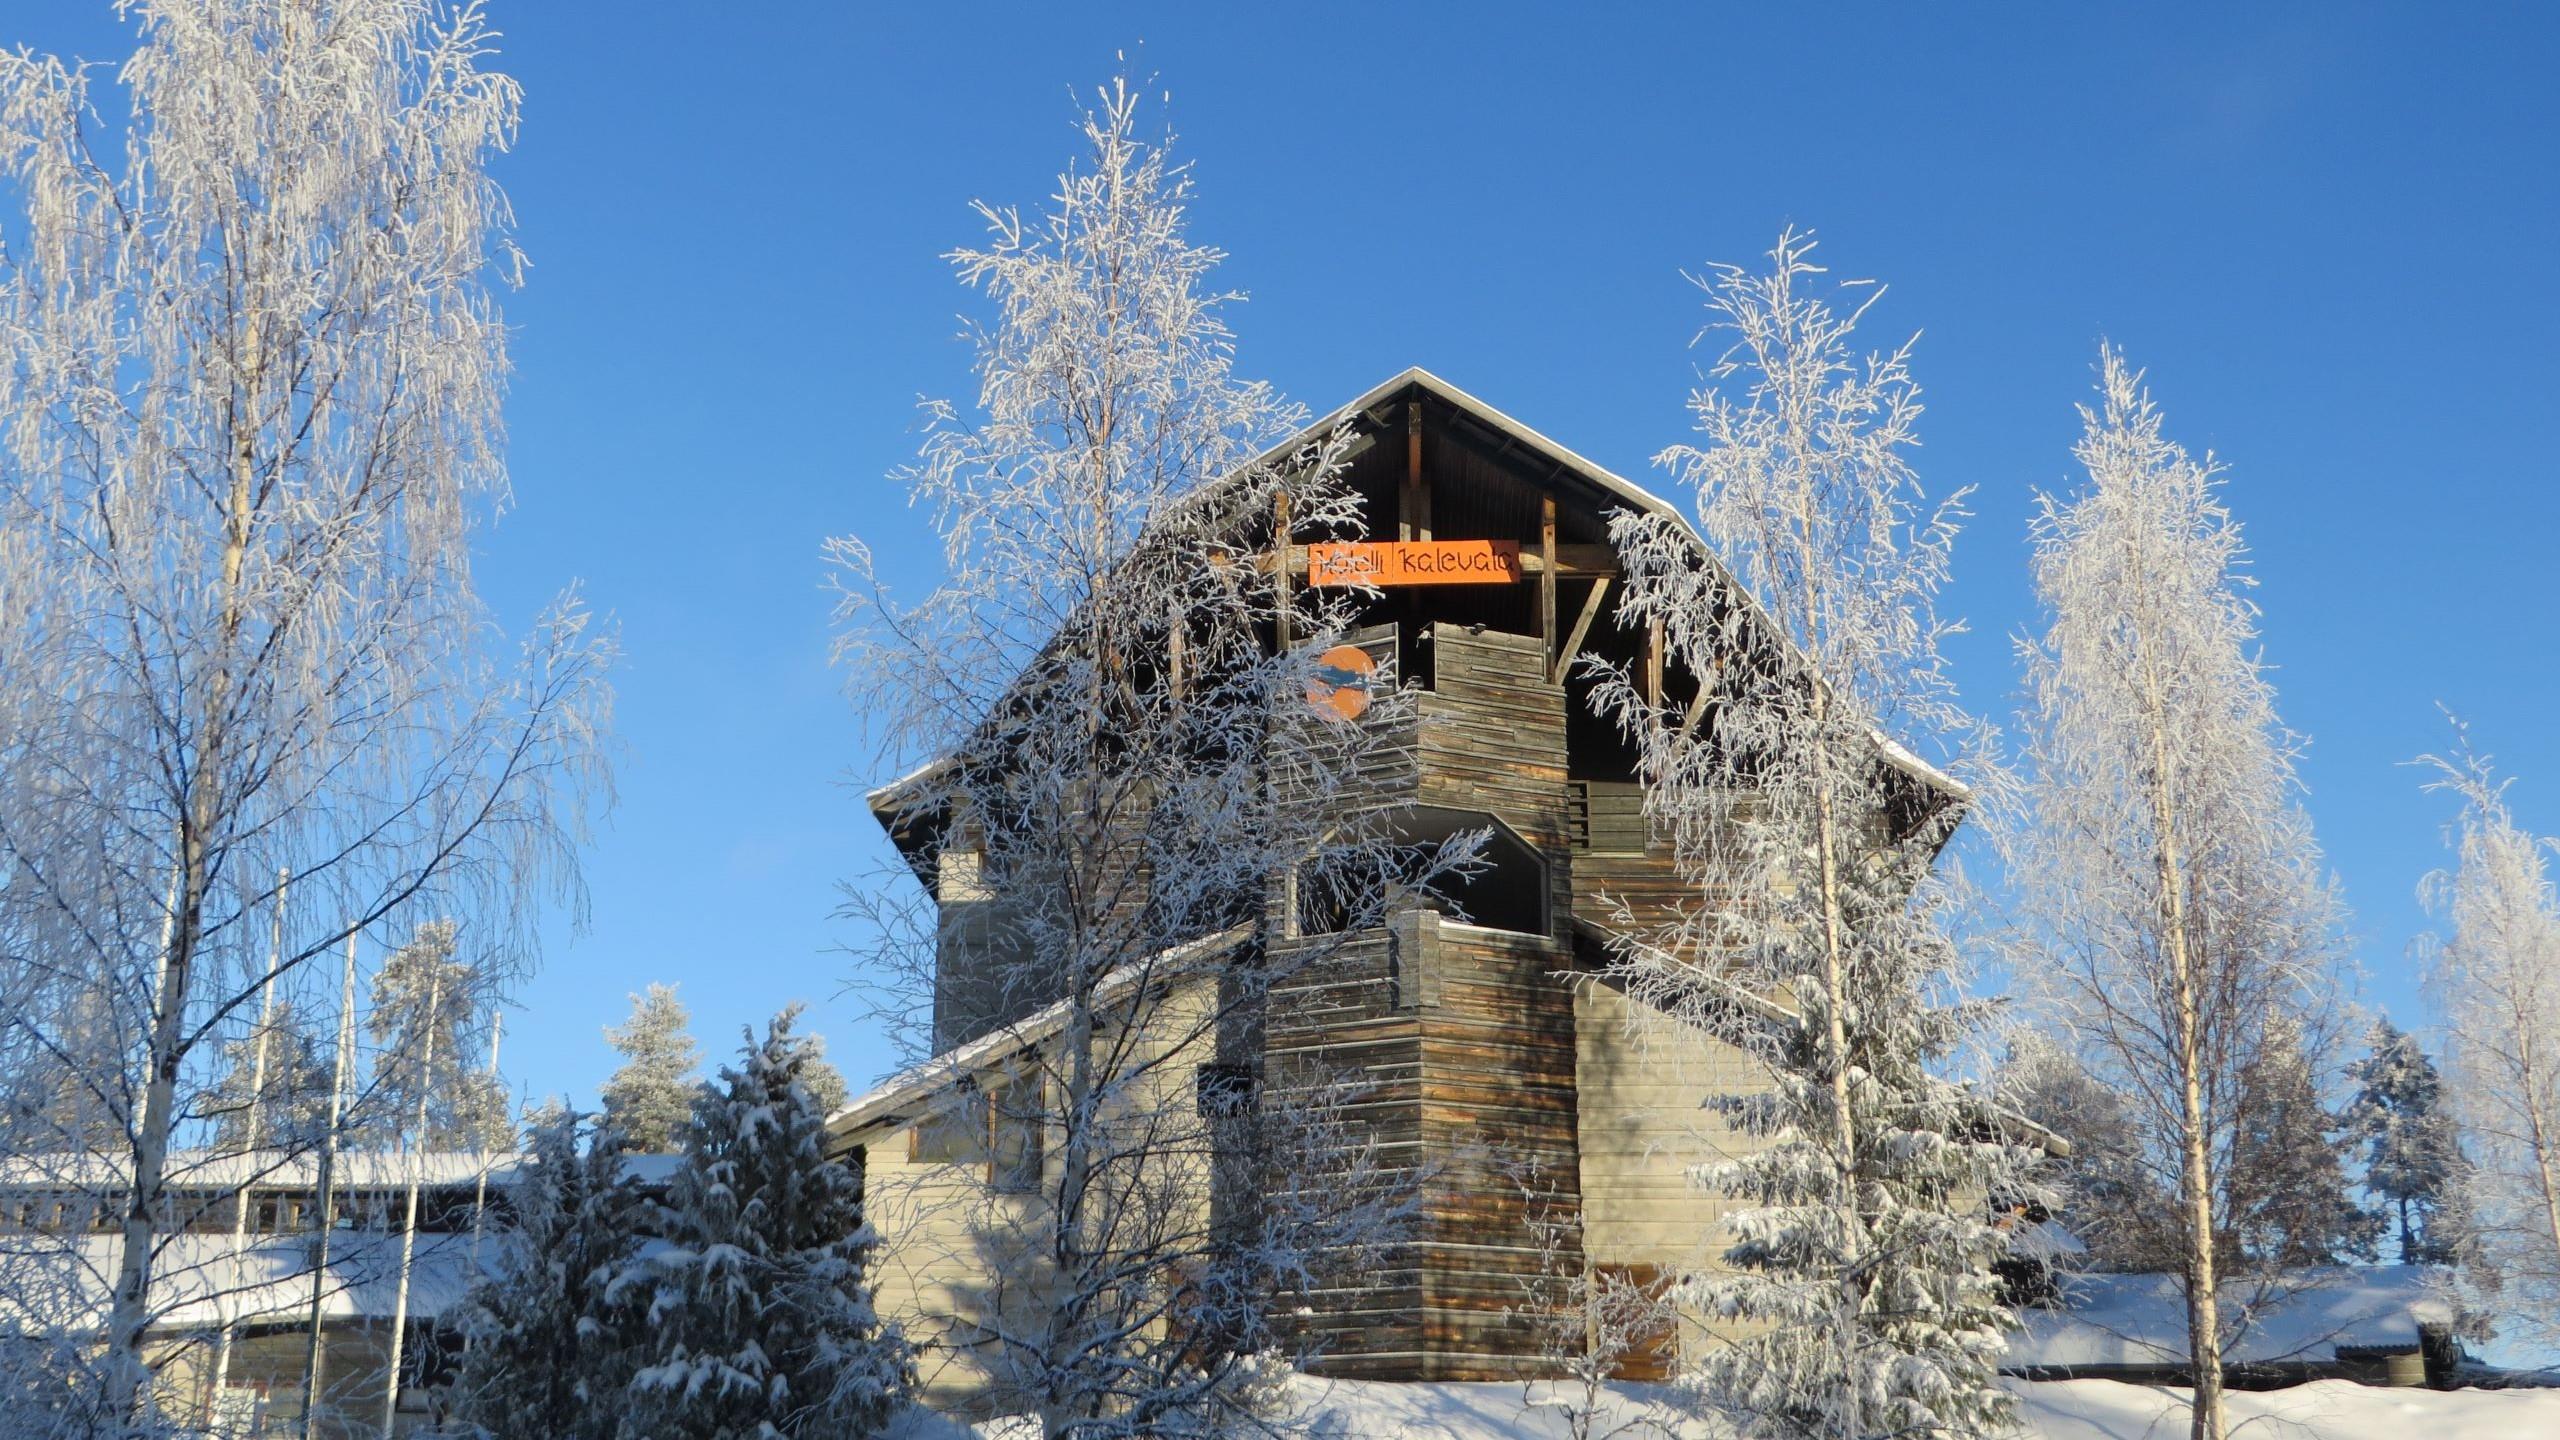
x=1459 y=1039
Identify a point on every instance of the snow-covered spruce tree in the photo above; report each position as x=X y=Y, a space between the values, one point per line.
x=549 y=1344
x=2496 y=980
x=2404 y=1133
x=2177 y=913
x=1102 y=709
x=250 y=370
x=648 y=1099
x=759 y=1312
x=2289 y=1201
x=1861 y=1297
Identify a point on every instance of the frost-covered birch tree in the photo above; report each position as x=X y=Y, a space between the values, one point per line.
x=2180 y=921
x=250 y=377
x=1120 y=770
x=2496 y=980
x=1860 y=1298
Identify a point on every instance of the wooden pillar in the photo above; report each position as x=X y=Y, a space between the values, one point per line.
x=1414 y=513
x=1653 y=668
x=1283 y=615
x=1547 y=582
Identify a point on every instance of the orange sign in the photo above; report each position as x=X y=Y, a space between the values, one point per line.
x=1415 y=562
x=1340 y=685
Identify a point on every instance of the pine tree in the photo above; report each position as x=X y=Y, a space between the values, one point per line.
x=761 y=1316
x=293 y=1102
x=648 y=1099
x=2411 y=1151
x=550 y=1343
x=1862 y=1294
x=826 y=1083
x=426 y=1017
x=2288 y=1205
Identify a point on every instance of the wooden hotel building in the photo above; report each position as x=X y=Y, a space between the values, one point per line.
x=1490 y=1037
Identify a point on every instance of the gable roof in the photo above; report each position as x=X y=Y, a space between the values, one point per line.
x=884 y=799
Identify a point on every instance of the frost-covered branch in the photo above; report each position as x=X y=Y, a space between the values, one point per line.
x=2182 y=936
x=2496 y=980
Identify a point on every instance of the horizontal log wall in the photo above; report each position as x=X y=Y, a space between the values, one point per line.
x=1498 y=1114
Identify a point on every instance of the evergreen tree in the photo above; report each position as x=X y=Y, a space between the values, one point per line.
x=825 y=1082
x=550 y=1342
x=760 y=1313
x=648 y=1099
x=2288 y=1205
x=292 y=1100
x=2408 y=1142
x=427 y=1020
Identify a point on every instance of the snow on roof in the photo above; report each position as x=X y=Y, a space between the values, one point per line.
x=221 y=1173
x=2140 y=1321
x=64 y=1284
x=922 y=1080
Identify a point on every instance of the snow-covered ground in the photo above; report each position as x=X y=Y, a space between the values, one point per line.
x=2328 y=1409
x=2055 y=1410
x=2141 y=1320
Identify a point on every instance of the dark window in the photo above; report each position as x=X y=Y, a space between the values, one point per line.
x=1504 y=887
x=1225 y=1092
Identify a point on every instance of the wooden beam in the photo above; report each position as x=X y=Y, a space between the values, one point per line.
x=1417 y=489
x=1547 y=581
x=1280 y=538
x=1697 y=707
x=1653 y=668
x=1581 y=627
x=1576 y=561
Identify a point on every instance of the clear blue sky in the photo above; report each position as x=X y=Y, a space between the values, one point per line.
x=2328 y=231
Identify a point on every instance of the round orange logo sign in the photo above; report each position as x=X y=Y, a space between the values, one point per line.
x=1340 y=685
